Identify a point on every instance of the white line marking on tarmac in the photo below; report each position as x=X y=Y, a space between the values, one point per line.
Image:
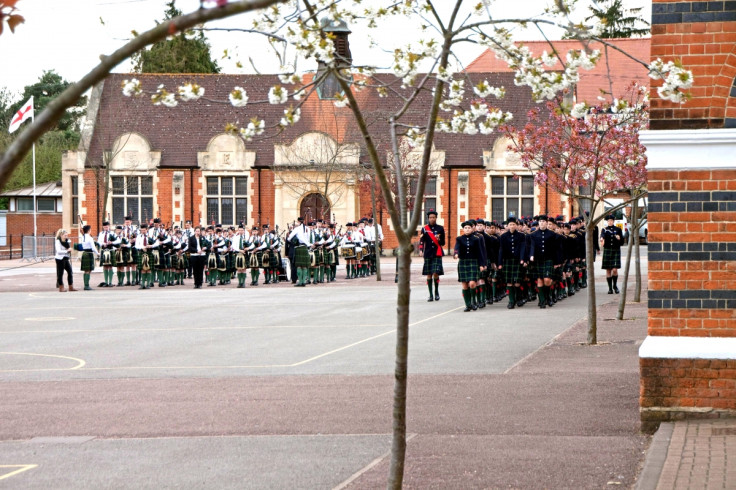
x=49 y=318
x=80 y=362
x=21 y=469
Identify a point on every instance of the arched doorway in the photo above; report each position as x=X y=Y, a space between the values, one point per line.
x=315 y=206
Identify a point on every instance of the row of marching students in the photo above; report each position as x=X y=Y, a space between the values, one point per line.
x=543 y=259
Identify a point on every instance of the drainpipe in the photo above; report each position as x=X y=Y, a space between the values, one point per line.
x=449 y=209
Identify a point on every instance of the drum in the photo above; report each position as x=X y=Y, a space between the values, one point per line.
x=359 y=253
x=347 y=252
x=106 y=257
x=366 y=253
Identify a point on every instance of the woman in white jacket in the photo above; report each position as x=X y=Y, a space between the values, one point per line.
x=63 y=246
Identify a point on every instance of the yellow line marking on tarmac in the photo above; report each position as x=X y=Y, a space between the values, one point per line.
x=80 y=363
x=21 y=469
x=268 y=366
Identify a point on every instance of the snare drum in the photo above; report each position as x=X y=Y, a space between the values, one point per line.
x=347 y=252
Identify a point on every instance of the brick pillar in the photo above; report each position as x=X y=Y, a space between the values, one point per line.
x=688 y=360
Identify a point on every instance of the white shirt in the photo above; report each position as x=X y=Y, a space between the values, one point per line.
x=61 y=251
x=370 y=233
x=301 y=232
x=88 y=244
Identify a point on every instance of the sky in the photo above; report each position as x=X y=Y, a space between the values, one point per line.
x=70 y=38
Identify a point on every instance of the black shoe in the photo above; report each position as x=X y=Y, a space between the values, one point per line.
x=610 y=291
x=550 y=303
x=430 y=299
x=467 y=309
x=542 y=306
x=87 y=288
x=570 y=293
x=615 y=290
x=241 y=286
x=436 y=296
x=510 y=306
x=473 y=307
x=482 y=304
x=142 y=287
x=128 y=283
x=519 y=304
x=489 y=301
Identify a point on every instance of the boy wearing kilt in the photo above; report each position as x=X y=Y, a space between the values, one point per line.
x=471 y=251
x=121 y=260
x=492 y=246
x=89 y=252
x=611 y=240
x=432 y=240
x=544 y=254
x=479 y=293
x=511 y=253
x=107 y=257
x=299 y=237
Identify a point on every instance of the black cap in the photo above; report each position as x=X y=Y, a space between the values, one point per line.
x=312 y=223
x=255 y=228
x=157 y=220
x=128 y=218
x=349 y=224
x=105 y=223
x=610 y=216
x=542 y=217
x=144 y=225
x=265 y=227
x=300 y=219
x=512 y=220
x=431 y=212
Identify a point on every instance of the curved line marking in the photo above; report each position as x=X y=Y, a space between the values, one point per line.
x=80 y=362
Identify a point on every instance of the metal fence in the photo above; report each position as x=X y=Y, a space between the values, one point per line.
x=21 y=247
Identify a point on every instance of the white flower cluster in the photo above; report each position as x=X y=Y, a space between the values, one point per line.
x=676 y=79
x=341 y=100
x=291 y=116
x=132 y=87
x=164 y=97
x=190 y=91
x=255 y=128
x=278 y=95
x=407 y=60
x=238 y=97
x=484 y=89
x=467 y=122
x=530 y=70
x=288 y=75
x=309 y=43
x=415 y=137
x=579 y=110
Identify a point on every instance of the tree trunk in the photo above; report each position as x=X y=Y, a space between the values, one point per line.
x=398 y=445
x=592 y=313
x=622 y=298
x=376 y=224
x=637 y=264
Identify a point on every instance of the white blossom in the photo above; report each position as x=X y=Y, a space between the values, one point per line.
x=132 y=87
x=291 y=116
x=164 y=97
x=190 y=91
x=238 y=97
x=415 y=137
x=579 y=110
x=484 y=89
x=278 y=95
x=255 y=128
x=341 y=100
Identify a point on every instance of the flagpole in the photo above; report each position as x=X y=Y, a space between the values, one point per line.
x=35 y=208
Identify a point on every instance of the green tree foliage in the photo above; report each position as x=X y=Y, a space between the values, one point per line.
x=617 y=21
x=182 y=53
x=46 y=89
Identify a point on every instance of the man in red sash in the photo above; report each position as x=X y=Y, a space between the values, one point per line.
x=432 y=241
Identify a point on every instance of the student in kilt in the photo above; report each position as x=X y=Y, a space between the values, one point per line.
x=480 y=288
x=611 y=240
x=545 y=256
x=121 y=261
x=106 y=239
x=471 y=251
x=129 y=252
x=89 y=252
x=211 y=262
x=492 y=245
x=299 y=237
x=432 y=240
x=510 y=260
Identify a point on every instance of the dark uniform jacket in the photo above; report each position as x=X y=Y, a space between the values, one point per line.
x=492 y=245
x=609 y=234
x=471 y=247
x=430 y=249
x=512 y=246
x=545 y=245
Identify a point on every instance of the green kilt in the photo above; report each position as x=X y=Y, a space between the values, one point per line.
x=329 y=257
x=139 y=258
x=511 y=271
x=433 y=265
x=468 y=270
x=88 y=262
x=611 y=258
x=275 y=260
x=544 y=269
x=301 y=257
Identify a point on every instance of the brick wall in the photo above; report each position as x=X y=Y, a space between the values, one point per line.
x=702 y=35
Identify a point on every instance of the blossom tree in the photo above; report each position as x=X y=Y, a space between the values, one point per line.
x=432 y=93
x=588 y=153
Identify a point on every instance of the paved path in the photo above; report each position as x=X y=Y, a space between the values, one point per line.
x=231 y=388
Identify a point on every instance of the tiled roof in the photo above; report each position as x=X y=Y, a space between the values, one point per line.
x=624 y=70
x=48 y=189
x=180 y=132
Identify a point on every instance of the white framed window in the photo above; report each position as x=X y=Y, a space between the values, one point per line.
x=430 y=199
x=511 y=196
x=24 y=204
x=46 y=204
x=227 y=199
x=132 y=195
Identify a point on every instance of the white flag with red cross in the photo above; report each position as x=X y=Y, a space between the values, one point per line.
x=23 y=113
